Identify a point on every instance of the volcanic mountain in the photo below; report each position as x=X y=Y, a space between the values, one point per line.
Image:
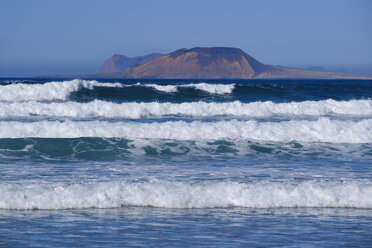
x=218 y=63
x=215 y=62
x=205 y=63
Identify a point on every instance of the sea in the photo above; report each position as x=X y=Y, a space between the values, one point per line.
x=185 y=163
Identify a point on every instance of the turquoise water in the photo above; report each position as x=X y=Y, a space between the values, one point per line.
x=167 y=163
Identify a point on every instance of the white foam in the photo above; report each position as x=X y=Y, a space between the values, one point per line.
x=195 y=109
x=164 y=88
x=318 y=194
x=321 y=130
x=210 y=88
x=61 y=90
x=48 y=91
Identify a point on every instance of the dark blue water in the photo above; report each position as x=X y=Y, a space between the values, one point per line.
x=165 y=163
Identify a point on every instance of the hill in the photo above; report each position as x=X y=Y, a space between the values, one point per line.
x=200 y=62
x=220 y=63
x=121 y=62
x=206 y=63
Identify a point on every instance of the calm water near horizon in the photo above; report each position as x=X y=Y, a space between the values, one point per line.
x=180 y=163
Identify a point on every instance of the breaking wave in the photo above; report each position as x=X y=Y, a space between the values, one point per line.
x=314 y=194
x=210 y=88
x=320 y=130
x=48 y=91
x=18 y=92
x=105 y=109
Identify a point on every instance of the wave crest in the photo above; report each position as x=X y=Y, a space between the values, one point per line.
x=105 y=109
x=210 y=88
x=50 y=91
x=321 y=130
x=353 y=194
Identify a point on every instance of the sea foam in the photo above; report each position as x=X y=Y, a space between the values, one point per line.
x=210 y=88
x=320 y=130
x=318 y=194
x=105 y=109
x=48 y=91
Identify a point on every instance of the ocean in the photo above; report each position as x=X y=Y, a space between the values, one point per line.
x=181 y=163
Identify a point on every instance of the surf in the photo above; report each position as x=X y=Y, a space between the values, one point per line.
x=321 y=130
x=163 y=194
x=136 y=110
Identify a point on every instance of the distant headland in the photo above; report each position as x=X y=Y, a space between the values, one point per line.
x=207 y=63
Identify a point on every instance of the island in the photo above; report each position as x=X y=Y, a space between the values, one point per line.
x=207 y=63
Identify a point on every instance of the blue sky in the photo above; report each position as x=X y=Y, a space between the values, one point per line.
x=48 y=37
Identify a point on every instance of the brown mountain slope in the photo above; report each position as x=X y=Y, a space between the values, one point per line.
x=120 y=62
x=214 y=62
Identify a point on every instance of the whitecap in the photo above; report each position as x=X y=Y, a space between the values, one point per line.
x=105 y=109
x=320 y=130
x=48 y=91
x=314 y=194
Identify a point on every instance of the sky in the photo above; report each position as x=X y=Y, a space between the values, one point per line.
x=54 y=37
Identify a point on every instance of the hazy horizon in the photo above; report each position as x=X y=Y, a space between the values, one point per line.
x=75 y=37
